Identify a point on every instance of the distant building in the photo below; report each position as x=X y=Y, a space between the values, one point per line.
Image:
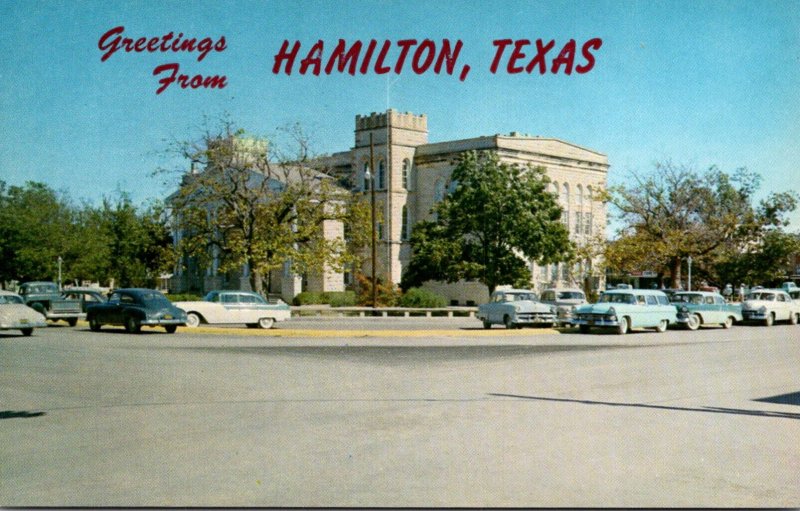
x=412 y=175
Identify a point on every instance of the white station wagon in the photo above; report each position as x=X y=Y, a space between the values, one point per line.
x=234 y=307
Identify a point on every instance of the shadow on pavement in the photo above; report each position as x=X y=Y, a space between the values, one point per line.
x=792 y=398
x=10 y=414
x=706 y=409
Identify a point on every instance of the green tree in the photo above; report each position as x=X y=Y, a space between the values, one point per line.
x=36 y=228
x=677 y=212
x=249 y=203
x=766 y=261
x=497 y=217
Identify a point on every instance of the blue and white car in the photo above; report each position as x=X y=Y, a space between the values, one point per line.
x=625 y=309
x=696 y=308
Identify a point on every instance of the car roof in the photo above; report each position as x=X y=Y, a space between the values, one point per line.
x=637 y=291
x=7 y=293
x=516 y=291
x=704 y=293
x=557 y=289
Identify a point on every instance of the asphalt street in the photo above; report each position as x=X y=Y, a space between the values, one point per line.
x=353 y=414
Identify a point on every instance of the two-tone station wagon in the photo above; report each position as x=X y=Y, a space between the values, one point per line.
x=625 y=309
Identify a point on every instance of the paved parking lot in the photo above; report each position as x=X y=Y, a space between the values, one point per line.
x=522 y=418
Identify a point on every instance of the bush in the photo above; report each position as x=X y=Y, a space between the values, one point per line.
x=183 y=297
x=416 y=297
x=332 y=298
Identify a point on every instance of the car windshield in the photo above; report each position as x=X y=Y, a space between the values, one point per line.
x=4 y=299
x=617 y=298
x=155 y=298
x=41 y=289
x=571 y=295
x=687 y=298
x=515 y=297
x=768 y=297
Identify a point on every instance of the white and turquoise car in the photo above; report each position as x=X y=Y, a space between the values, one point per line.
x=625 y=309
x=697 y=308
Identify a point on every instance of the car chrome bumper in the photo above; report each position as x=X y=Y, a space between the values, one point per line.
x=163 y=322
x=66 y=315
x=601 y=322
x=20 y=324
x=754 y=315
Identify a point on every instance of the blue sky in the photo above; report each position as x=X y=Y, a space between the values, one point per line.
x=697 y=82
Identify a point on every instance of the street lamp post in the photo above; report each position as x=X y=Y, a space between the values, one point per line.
x=60 y=260
x=689 y=278
x=368 y=175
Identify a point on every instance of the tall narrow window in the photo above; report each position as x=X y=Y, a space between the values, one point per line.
x=578 y=222
x=438 y=190
x=579 y=196
x=405 y=233
x=381 y=175
x=364 y=170
x=406 y=171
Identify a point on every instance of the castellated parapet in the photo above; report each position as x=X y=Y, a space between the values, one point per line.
x=407 y=128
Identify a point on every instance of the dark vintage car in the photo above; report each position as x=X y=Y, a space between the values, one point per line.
x=135 y=308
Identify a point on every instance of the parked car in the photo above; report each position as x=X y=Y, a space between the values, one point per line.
x=85 y=295
x=624 y=309
x=15 y=315
x=565 y=300
x=515 y=308
x=795 y=294
x=770 y=305
x=696 y=308
x=134 y=308
x=45 y=298
x=232 y=307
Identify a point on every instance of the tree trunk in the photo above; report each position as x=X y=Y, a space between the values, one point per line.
x=675 y=271
x=256 y=283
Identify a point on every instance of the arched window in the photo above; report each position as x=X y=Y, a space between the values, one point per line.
x=579 y=196
x=381 y=175
x=554 y=188
x=565 y=196
x=406 y=172
x=364 y=170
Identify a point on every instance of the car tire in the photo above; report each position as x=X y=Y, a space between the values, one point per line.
x=192 y=320
x=584 y=329
x=793 y=318
x=662 y=326
x=94 y=324
x=728 y=322
x=487 y=325
x=623 y=326
x=171 y=328
x=694 y=322
x=266 y=323
x=132 y=325
x=508 y=323
x=27 y=332
x=770 y=320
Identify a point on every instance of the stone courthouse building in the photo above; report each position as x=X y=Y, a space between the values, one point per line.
x=411 y=175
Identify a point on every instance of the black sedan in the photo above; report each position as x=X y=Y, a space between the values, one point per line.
x=134 y=308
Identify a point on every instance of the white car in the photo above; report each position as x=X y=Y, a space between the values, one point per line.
x=516 y=308
x=769 y=306
x=234 y=307
x=565 y=301
x=15 y=315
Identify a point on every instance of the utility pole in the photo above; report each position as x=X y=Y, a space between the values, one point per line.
x=374 y=233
